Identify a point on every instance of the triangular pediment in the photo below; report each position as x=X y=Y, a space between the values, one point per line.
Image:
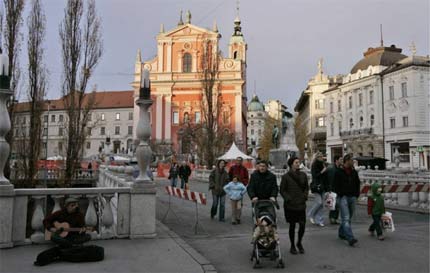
x=187 y=30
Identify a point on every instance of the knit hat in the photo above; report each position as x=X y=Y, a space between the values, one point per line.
x=70 y=200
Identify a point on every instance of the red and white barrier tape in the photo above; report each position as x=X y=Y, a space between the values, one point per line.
x=198 y=197
x=398 y=188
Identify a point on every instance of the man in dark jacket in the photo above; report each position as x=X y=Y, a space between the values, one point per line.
x=331 y=174
x=184 y=174
x=262 y=184
x=347 y=188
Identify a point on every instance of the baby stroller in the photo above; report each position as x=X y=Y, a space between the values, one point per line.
x=265 y=237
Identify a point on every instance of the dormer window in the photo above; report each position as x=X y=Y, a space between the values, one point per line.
x=186 y=63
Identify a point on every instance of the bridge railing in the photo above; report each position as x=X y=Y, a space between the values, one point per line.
x=403 y=190
x=116 y=208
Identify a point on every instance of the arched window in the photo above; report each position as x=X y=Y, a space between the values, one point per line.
x=235 y=55
x=186 y=62
x=361 y=122
x=186 y=117
x=372 y=120
x=351 y=123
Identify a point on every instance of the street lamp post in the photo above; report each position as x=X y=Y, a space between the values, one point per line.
x=344 y=148
x=143 y=132
x=305 y=158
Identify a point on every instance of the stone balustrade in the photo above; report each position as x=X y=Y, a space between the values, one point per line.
x=113 y=209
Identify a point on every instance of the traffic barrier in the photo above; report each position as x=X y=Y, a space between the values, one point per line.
x=398 y=188
x=197 y=197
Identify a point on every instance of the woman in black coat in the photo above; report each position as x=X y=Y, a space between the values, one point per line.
x=294 y=190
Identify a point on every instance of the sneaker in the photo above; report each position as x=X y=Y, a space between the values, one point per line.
x=371 y=232
x=238 y=221
x=234 y=223
x=301 y=249
x=312 y=220
x=321 y=225
x=293 y=250
x=353 y=242
x=381 y=237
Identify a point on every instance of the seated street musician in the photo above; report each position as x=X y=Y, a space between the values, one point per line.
x=66 y=227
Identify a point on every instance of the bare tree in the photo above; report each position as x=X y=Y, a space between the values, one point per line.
x=37 y=77
x=266 y=142
x=81 y=51
x=212 y=134
x=13 y=39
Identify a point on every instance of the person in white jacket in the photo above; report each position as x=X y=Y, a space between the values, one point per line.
x=235 y=191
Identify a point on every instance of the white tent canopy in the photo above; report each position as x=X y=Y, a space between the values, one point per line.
x=234 y=153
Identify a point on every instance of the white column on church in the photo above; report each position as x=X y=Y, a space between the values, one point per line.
x=160 y=57
x=169 y=57
x=194 y=62
x=168 y=118
x=159 y=117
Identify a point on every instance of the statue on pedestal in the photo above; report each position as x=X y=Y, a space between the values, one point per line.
x=275 y=136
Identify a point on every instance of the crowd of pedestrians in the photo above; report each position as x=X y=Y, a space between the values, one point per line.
x=340 y=178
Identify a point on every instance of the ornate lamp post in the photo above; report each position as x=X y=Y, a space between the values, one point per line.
x=305 y=158
x=5 y=94
x=143 y=150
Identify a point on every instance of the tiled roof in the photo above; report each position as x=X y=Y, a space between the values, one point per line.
x=104 y=100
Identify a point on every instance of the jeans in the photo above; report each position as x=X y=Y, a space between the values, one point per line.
x=316 y=211
x=218 y=199
x=376 y=225
x=70 y=240
x=173 y=181
x=347 y=207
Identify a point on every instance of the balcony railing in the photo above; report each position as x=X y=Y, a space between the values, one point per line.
x=356 y=132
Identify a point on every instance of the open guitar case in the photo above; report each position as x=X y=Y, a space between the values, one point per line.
x=75 y=254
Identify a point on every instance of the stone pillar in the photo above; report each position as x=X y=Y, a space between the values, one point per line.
x=142 y=199
x=6 y=189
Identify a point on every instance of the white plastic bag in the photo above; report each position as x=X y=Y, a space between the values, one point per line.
x=387 y=221
x=330 y=200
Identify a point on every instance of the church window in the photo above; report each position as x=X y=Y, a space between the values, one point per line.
x=351 y=123
x=372 y=120
x=236 y=55
x=186 y=63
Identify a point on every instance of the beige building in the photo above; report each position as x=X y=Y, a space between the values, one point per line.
x=112 y=117
x=311 y=110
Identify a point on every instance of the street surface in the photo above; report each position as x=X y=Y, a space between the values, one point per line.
x=228 y=246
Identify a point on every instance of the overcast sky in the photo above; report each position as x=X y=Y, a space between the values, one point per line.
x=285 y=37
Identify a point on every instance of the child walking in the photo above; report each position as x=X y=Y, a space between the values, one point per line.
x=376 y=208
x=235 y=191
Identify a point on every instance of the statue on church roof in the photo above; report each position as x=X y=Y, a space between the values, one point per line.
x=188 y=17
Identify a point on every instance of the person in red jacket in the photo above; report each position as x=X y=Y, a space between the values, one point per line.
x=240 y=171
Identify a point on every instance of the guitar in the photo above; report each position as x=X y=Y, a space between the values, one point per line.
x=62 y=229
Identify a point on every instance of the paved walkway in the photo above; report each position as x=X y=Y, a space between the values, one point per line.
x=165 y=253
x=228 y=246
